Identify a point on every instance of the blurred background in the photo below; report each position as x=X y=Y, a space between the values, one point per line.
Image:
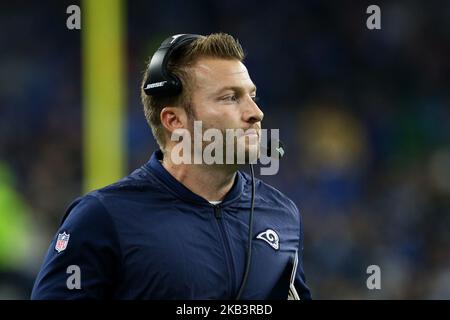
x=364 y=115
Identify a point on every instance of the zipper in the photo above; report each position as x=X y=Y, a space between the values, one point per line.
x=226 y=243
x=217 y=212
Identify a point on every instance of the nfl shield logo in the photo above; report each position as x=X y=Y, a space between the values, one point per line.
x=61 y=242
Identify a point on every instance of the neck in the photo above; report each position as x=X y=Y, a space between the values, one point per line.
x=211 y=182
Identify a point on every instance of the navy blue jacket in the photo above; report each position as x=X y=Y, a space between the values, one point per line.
x=149 y=237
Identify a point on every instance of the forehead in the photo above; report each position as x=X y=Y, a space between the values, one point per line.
x=212 y=74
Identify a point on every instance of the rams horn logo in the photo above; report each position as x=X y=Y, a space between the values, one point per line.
x=271 y=237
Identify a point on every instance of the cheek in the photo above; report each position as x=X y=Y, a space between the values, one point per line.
x=214 y=123
x=206 y=111
x=216 y=115
x=224 y=120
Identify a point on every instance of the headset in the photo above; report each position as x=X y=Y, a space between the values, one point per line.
x=162 y=83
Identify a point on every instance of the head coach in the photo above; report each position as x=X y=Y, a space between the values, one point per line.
x=173 y=230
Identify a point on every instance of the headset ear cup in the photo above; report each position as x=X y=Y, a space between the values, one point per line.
x=161 y=82
x=170 y=87
x=176 y=86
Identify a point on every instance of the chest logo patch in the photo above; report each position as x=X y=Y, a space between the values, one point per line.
x=271 y=237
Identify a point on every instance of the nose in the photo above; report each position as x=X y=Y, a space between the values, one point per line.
x=252 y=113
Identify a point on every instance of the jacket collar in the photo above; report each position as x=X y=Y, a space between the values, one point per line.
x=155 y=167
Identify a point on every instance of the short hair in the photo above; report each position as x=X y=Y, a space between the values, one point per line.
x=216 y=45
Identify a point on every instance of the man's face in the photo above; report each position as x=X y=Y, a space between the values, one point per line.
x=223 y=98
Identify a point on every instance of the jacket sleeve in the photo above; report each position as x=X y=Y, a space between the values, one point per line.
x=85 y=262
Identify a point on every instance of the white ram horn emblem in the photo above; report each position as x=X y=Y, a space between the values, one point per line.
x=271 y=237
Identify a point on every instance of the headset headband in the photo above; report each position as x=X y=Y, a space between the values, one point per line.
x=160 y=81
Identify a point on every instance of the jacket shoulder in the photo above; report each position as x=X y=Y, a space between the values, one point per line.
x=271 y=195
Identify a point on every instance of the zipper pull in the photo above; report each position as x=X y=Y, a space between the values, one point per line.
x=217 y=212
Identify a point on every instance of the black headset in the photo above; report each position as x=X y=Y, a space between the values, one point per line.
x=161 y=82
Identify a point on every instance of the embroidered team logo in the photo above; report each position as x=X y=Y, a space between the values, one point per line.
x=62 y=241
x=271 y=237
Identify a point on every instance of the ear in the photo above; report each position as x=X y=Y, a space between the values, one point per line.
x=173 y=118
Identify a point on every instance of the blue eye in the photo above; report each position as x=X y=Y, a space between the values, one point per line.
x=255 y=99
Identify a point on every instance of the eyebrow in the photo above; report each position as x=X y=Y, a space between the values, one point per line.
x=236 y=89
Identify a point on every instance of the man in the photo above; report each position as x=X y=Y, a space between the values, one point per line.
x=175 y=230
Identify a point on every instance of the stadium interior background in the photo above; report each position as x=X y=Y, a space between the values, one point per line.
x=364 y=115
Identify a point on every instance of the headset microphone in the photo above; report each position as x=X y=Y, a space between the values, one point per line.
x=277 y=152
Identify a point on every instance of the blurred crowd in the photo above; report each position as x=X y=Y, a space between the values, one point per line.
x=364 y=115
